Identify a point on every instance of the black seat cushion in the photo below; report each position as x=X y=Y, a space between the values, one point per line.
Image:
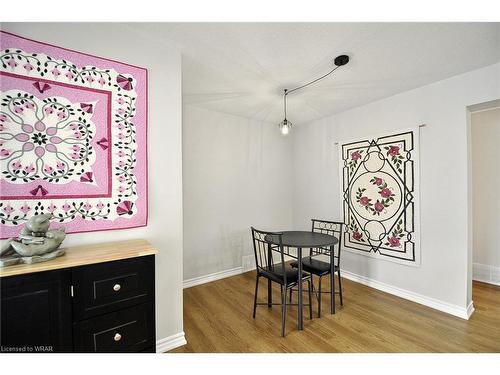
x=275 y=273
x=315 y=266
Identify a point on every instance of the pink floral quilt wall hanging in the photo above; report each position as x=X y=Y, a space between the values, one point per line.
x=73 y=138
x=380 y=196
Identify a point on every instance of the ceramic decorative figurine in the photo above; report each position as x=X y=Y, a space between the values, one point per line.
x=36 y=243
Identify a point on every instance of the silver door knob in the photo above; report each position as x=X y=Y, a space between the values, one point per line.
x=117 y=337
x=117 y=287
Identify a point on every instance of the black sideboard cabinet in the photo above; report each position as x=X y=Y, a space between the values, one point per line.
x=102 y=307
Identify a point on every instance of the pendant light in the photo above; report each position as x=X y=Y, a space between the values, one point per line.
x=285 y=126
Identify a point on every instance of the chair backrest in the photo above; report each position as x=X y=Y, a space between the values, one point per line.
x=264 y=248
x=333 y=228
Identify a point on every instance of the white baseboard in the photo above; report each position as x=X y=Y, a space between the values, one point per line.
x=170 y=342
x=461 y=312
x=486 y=273
x=212 y=277
x=470 y=309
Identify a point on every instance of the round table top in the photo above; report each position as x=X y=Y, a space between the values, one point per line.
x=299 y=238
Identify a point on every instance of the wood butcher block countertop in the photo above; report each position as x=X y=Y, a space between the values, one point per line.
x=84 y=255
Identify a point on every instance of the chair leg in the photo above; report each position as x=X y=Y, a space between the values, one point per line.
x=269 y=294
x=340 y=288
x=310 y=299
x=291 y=292
x=283 y=310
x=255 y=298
x=319 y=297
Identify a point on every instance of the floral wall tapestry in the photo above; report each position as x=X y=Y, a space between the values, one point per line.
x=380 y=197
x=73 y=133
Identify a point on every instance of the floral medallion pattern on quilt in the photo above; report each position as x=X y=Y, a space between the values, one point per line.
x=380 y=197
x=73 y=138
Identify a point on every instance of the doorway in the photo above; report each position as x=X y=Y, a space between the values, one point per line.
x=485 y=200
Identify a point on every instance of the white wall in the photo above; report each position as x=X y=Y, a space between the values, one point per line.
x=444 y=271
x=236 y=173
x=485 y=131
x=122 y=43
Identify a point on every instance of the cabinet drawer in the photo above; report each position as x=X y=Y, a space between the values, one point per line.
x=105 y=287
x=128 y=330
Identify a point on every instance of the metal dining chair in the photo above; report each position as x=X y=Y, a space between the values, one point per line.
x=278 y=272
x=315 y=266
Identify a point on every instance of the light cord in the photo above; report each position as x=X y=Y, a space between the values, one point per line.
x=284 y=101
x=342 y=60
x=310 y=83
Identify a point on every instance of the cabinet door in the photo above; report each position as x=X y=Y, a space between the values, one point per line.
x=36 y=312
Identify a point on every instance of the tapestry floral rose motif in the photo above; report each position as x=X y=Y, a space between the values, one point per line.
x=380 y=199
x=73 y=138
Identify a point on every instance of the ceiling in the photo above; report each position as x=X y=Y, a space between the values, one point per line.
x=242 y=68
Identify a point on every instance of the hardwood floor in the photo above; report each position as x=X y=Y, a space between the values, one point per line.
x=218 y=318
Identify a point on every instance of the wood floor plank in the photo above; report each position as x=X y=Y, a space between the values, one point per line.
x=218 y=318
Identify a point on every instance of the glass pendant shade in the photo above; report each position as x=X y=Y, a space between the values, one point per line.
x=285 y=126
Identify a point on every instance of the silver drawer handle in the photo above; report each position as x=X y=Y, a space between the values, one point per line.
x=117 y=287
x=117 y=337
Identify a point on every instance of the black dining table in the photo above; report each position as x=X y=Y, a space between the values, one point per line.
x=299 y=240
